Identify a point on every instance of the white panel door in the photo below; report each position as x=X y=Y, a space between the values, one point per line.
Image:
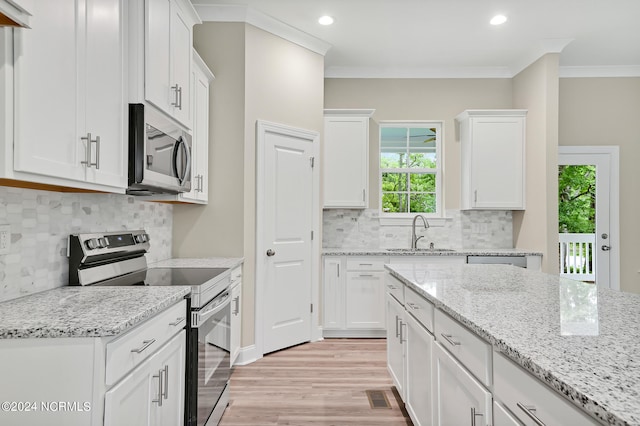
x=395 y=345
x=181 y=64
x=287 y=229
x=333 y=303
x=157 y=52
x=418 y=389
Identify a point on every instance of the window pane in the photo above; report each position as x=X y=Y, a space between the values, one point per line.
x=394 y=182
x=423 y=182
x=394 y=202
x=422 y=145
x=393 y=147
x=423 y=203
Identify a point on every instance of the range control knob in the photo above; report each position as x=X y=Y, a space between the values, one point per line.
x=140 y=238
x=146 y=238
x=102 y=242
x=92 y=243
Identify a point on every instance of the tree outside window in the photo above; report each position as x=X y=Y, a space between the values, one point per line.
x=410 y=168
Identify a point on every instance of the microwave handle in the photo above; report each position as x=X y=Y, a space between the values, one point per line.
x=187 y=153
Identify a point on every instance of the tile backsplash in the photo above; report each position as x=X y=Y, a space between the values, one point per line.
x=351 y=228
x=41 y=221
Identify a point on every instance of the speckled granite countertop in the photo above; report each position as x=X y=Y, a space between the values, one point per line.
x=423 y=252
x=581 y=340
x=209 y=262
x=84 y=311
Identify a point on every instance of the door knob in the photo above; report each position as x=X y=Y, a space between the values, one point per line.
x=606 y=248
x=270 y=252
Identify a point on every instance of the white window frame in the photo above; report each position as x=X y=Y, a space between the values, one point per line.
x=436 y=218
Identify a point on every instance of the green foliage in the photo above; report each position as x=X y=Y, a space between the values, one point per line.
x=577 y=199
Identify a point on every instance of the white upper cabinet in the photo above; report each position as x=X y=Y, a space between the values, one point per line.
x=201 y=77
x=346 y=158
x=492 y=159
x=69 y=94
x=168 y=44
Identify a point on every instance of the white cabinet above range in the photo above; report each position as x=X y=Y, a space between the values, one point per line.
x=492 y=153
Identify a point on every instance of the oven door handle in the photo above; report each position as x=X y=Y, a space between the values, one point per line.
x=218 y=304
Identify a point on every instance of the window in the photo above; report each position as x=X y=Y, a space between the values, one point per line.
x=410 y=169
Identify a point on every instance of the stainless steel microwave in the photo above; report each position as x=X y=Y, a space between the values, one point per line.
x=159 y=153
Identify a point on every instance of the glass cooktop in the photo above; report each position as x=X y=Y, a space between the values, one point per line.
x=165 y=277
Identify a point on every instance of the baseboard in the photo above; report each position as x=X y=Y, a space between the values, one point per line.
x=366 y=334
x=247 y=355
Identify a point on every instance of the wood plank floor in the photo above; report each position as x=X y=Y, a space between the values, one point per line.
x=320 y=383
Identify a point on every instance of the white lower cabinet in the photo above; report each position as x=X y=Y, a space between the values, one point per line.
x=153 y=393
x=395 y=344
x=530 y=401
x=459 y=398
x=418 y=391
x=354 y=297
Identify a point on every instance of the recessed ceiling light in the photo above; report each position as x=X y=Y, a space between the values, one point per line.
x=325 y=20
x=498 y=20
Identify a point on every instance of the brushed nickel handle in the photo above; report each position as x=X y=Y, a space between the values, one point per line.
x=391 y=287
x=270 y=253
x=145 y=345
x=529 y=411
x=401 y=335
x=166 y=382
x=448 y=338
x=397 y=331
x=87 y=159
x=365 y=275
x=236 y=300
x=474 y=415
x=180 y=98
x=175 y=102
x=177 y=321
x=97 y=163
x=413 y=306
x=158 y=400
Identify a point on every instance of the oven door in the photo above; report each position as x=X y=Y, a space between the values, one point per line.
x=212 y=367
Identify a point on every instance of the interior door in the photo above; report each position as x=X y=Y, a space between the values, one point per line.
x=606 y=257
x=286 y=244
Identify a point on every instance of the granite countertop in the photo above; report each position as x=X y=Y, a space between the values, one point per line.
x=581 y=340
x=209 y=262
x=426 y=252
x=84 y=311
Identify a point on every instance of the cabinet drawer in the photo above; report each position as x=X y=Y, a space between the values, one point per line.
x=470 y=349
x=365 y=264
x=419 y=307
x=130 y=349
x=520 y=391
x=394 y=287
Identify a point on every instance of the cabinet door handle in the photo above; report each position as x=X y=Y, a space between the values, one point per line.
x=338 y=265
x=158 y=400
x=175 y=102
x=366 y=264
x=449 y=338
x=363 y=195
x=87 y=157
x=402 y=340
x=397 y=328
x=474 y=415
x=413 y=306
x=391 y=287
x=475 y=196
x=166 y=382
x=177 y=321
x=529 y=411
x=145 y=345
x=236 y=300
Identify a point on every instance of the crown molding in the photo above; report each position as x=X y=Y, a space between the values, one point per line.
x=600 y=71
x=427 y=72
x=543 y=47
x=246 y=14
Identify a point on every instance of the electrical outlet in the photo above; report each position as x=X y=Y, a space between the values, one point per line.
x=5 y=239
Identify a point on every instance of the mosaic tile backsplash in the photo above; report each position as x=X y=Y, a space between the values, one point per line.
x=351 y=228
x=41 y=221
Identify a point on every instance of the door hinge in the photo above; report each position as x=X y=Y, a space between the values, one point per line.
x=312 y=308
x=313 y=161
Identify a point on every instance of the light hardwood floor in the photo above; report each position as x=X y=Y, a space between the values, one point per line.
x=320 y=383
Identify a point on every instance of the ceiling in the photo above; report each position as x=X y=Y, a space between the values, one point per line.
x=453 y=38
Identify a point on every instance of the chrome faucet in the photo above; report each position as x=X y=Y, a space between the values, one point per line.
x=414 y=238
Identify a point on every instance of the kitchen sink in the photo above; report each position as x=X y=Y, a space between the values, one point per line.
x=421 y=250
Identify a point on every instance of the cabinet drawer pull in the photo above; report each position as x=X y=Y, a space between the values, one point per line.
x=145 y=345
x=365 y=275
x=529 y=411
x=391 y=287
x=402 y=340
x=175 y=102
x=413 y=306
x=397 y=328
x=449 y=338
x=474 y=415
x=177 y=321
x=366 y=264
x=236 y=300
x=166 y=382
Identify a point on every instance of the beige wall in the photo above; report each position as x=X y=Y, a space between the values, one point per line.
x=418 y=99
x=606 y=111
x=258 y=76
x=536 y=89
x=217 y=229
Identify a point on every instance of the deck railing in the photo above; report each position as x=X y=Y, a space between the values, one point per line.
x=577 y=259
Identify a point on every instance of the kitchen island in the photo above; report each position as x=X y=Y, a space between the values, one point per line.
x=577 y=339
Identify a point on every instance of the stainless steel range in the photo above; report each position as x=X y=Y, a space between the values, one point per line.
x=117 y=259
